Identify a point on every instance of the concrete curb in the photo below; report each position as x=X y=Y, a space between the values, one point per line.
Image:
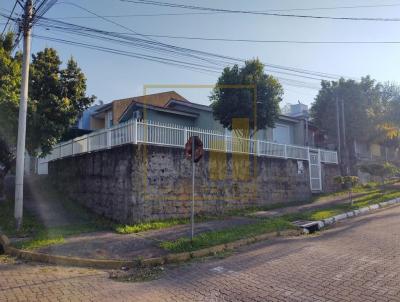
x=117 y=264
x=332 y=220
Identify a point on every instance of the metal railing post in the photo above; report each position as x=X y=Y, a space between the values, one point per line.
x=108 y=138
x=185 y=135
x=285 y=153
x=136 y=132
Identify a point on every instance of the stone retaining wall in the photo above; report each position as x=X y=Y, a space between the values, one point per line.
x=134 y=183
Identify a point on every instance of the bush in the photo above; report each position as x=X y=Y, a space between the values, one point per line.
x=380 y=170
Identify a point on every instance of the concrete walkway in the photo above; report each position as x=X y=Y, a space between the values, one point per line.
x=109 y=245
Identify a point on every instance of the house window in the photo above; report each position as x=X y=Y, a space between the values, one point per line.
x=281 y=134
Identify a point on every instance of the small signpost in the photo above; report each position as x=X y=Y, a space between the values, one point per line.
x=194 y=152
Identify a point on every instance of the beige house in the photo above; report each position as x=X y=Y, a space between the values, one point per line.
x=110 y=114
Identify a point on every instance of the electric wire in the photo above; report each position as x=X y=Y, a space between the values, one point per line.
x=201 y=8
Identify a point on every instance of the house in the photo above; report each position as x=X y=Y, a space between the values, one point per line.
x=170 y=107
x=111 y=172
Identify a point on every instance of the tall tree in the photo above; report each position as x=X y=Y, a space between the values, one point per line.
x=10 y=81
x=234 y=102
x=56 y=97
x=362 y=107
x=388 y=123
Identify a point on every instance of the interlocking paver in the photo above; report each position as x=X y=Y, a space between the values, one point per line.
x=358 y=260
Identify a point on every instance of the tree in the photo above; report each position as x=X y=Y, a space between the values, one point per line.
x=56 y=98
x=388 y=123
x=230 y=103
x=10 y=80
x=362 y=108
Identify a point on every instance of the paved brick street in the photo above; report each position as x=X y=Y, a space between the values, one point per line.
x=358 y=260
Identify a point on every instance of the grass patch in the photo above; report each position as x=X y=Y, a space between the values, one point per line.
x=152 y=225
x=55 y=235
x=161 y=224
x=212 y=238
x=29 y=227
x=37 y=235
x=37 y=243
x=324 y=214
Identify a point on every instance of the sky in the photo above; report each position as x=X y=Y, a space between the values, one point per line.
x=111 y=76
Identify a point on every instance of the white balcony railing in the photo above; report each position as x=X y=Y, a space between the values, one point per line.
x=155 y=133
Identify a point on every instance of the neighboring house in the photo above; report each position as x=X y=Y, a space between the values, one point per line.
x=172 y=108
x=85 y=118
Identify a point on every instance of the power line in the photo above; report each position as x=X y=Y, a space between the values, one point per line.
x=267 y=41
x=285 y=81
x=9 y=18
x=193 y=7
x=217 y=13
x=188 y=52
x=82 y=30
x=155 y=46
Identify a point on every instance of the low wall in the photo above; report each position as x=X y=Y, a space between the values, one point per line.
x=141 y=182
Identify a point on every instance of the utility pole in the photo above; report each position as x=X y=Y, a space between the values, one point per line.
x=345 y=153
x=338 y=129
x=19 y=175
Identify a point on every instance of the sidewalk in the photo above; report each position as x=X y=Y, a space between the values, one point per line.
x=110 y=245
x=142 y=245
x=324 y=202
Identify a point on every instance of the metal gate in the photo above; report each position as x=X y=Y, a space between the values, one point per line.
x=315 y=170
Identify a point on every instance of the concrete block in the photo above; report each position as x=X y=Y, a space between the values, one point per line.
x=329 y=221
x=364 y=210
x=340 y=217
x=374 y=207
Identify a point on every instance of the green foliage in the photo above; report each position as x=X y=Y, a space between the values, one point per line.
x=323 y=214
x=7 y=223
x=380 y=170
x=361 y=102
x=159 y=224
x=56 y=96
x=226 y=235
x=350 y=181
x=10 y=81
x=372 y=110
x=6 y=158
x=152 y=225
x=230 y=103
